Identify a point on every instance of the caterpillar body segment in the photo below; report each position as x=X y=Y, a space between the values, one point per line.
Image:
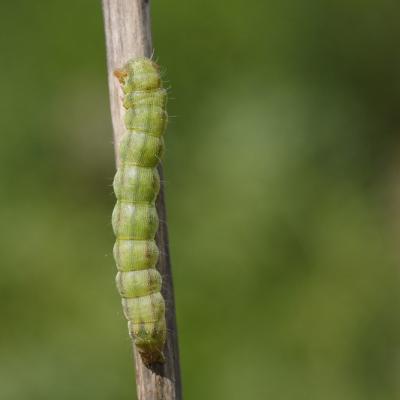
x=135 y=220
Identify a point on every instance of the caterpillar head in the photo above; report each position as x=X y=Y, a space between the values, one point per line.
x=139 y=74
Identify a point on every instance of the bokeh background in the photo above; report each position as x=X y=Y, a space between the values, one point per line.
x=283 y=195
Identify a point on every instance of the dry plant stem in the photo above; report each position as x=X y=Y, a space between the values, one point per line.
x=128 y=35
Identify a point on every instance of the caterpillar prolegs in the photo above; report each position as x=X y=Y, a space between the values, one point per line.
x=134 y=219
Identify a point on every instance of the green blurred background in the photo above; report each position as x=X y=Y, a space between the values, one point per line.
x=283 y=195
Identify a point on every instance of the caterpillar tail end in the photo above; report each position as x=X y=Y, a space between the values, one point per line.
x=156 y=356
x=149 y=340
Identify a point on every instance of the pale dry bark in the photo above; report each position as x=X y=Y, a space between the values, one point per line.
x=128 y=35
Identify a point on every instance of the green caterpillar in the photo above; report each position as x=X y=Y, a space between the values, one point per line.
x=135 y=219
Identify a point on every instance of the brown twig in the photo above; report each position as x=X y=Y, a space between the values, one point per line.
x=128 y=35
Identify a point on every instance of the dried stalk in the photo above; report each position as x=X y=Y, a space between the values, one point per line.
x=128 y=35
